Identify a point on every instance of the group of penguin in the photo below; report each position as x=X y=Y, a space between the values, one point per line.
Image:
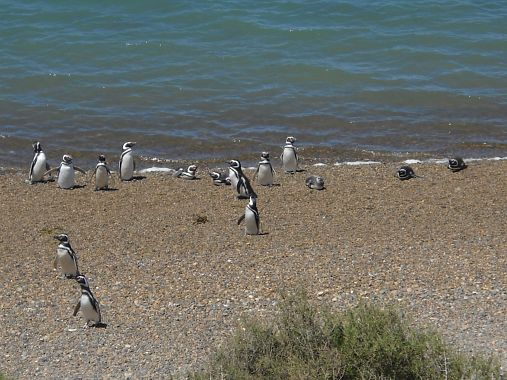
x=66 y=258
x=455 y=165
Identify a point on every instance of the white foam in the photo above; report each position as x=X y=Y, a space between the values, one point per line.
x=320 y=164
x=156 y=169
x=355 y=163
x=412 y=161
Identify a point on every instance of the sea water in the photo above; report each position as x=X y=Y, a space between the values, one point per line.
x=204 y=80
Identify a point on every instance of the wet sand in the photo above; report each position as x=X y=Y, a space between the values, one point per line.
x=174 y=273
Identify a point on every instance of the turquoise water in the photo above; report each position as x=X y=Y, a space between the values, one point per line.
x=201 y=80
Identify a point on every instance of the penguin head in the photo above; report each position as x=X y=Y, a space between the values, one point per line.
x=37 y=147
x=214 y=175
x=265 y=155
x=82 y=280
x=290 y=140
x=456 y=164
x=62 y=238
x=319 y=181
x=102 y=158
x=405 y=172
x=235 y=164
x=67 y=158
x=128 y=144
x=192 y=169
x=252 y=201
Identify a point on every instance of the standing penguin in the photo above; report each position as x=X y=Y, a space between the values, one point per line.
x=66 y=257
x=66 y=173
x=265 y=171
x=289 y=156
x=39 y=164
x=251 y=217
x=101 y=174
x=239 y=181
x=127 y=164
x=88 y=304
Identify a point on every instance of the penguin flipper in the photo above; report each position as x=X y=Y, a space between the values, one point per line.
x=79 y=169
x=76 y=309
x=51 y=171
x=241 y=218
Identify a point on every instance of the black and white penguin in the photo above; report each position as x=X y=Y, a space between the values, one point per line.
x=251 y=218
x=239 y=182
x=88 y=304
x=127 y=163
x=265 y=172
x=315 y=182
x=102 y=173
x=456 y=164
x=66 y=258
x=220 y=178
x=39 y=164
x=405 y=172
x=66 y=173
x=188 y=174
x=289 y=156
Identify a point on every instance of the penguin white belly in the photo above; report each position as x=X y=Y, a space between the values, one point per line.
x=87 y=309
x=127 y=167
x=233 y=178
x=250 y=223
x=66 y=263
x=39 y=168
x=101 y=178
x=290 y=163
x=265 y=175
x=66 y=177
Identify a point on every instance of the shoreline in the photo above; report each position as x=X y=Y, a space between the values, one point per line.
x=172 y=288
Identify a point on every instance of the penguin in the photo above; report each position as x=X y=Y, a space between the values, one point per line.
x=189 y=174
x=456 y=164
x=66 y=173
x=88 y=304
x=220 y=178
x=406 y=172
x=39 y=164
x=127 y=164
x=102 y=174
x=315 y=182
x=251 y=217
x=265 y=171
x=239 y=181
x=289 y=156
x=66 y=257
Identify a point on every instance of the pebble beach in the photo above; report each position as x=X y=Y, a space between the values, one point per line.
x=175 y=274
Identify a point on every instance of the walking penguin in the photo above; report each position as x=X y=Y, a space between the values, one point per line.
x=265 y=171
x=39 y=164
x=127 y=163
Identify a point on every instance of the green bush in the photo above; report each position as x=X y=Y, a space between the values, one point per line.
x=366 y=342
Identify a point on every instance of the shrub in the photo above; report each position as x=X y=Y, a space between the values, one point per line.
x=366 y=342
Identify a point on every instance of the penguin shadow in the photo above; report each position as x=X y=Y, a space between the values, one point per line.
x=108 y=189
x=262 y=233
x=135 y=178
x=100 y=325
x=74 y=187
x=300 y=170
